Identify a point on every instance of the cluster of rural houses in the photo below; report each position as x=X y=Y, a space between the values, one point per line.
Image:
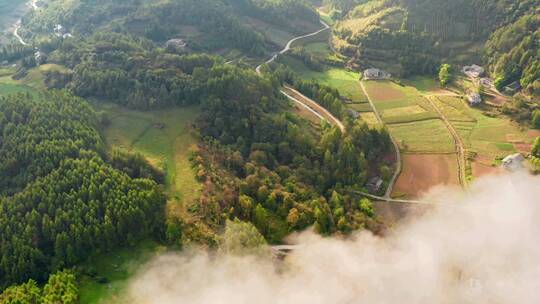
x=60 y=31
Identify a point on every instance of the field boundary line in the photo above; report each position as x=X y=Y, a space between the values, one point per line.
x=399 y=164
x=460 y=147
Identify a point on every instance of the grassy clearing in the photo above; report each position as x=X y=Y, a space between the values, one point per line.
x=423 y=136
x=423 y=83
x=167 y=147
x=370 y=119
x=36 y=76
x=164 y=138
x=32 y=82
x=112 y=272
x=11 y=86
x=344 y=81
x=361 y=107
x=318 y=48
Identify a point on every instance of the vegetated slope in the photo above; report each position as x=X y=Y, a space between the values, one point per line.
x=62 y=200
x=513 y=53
x=416 y=35
x=206 y=25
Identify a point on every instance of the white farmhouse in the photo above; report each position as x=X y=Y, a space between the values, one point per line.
x=375 y=74
x=473 y=71
x=513 y=162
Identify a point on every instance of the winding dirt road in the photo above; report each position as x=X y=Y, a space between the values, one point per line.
x=33 y=5
x=289 y=44
x=298 y=97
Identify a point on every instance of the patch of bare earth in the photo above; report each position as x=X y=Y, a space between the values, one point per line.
x=421 y=172
x=483 y=166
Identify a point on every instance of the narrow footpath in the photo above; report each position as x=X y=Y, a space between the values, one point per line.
x=460 y=147
x=18 y=24
x=399 y=164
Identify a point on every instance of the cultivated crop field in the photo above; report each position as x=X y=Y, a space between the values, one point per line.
x=427 y=136
x=489 y=138
x=421 y=172
x=428 y=149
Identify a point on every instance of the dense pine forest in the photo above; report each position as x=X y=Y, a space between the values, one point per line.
x=61 y=199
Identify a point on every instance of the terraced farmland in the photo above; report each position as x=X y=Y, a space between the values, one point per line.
x=428 y=148
x=487 y=139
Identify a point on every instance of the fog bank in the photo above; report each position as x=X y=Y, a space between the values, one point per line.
x=486 y=249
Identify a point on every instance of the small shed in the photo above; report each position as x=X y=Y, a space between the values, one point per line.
x=513 y=162
x=374 y=74
x=474 y=99
x=374 y=184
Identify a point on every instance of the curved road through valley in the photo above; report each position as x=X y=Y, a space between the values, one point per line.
x=298 y=97
x=322 y=113
x=33 y=5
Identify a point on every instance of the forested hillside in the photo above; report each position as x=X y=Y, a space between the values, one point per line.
x=415 y=36
x=61 y=201
x=206 y=25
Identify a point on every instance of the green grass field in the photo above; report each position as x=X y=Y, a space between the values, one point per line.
x=11 y=86
x=32 y=82
x=112 y=272
x=490 y=137
x=164 y=138
x=344 y=81
x=167 y=147
x=422 y=83
x=36 y=76
x=423 y=136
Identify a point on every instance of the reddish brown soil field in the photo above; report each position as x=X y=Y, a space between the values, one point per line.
x=482 y=166
x=480 y=169
x=424 y=171
x=533 y=133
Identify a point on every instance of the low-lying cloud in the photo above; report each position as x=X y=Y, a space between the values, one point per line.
x=486 y=249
